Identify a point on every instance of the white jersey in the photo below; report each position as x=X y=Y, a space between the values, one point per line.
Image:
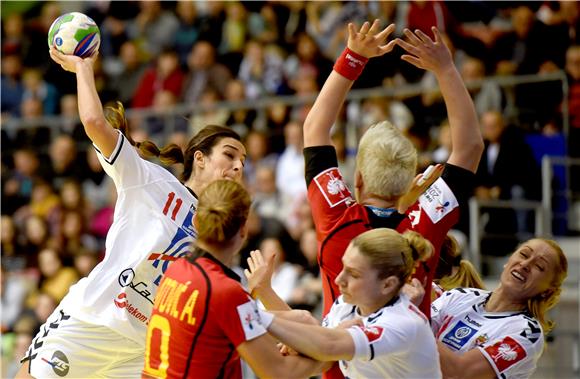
x=512 y=342
x=152 y=226
x=395 y=342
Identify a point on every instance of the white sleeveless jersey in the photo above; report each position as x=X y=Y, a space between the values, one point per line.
x=395 y=342
x=152 y=226
x=512 y=342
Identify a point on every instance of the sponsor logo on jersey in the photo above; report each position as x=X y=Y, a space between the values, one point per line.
x=122 y=303
x=472 y=321
x=332 y=187
x=141 y=288
x=59 y=363
x=506 y=353
x=458 y=335
x=250 y=320
x=438 y=200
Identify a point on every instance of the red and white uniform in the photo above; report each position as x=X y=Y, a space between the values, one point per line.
x=338 y=218
x=152 y=226
x=512 y=342
x=200 y=316
x=395 y=342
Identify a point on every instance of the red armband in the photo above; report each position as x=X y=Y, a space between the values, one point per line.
x=350 y=64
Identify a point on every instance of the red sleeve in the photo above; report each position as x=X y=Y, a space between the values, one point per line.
x=432 y=216
x=238 y=315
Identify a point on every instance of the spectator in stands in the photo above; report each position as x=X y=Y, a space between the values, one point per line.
x=258 y=155
x=65 y=161
x=285 y=274
x=267 y=201
x=501 y=333
x=12 y=88
x=488 y=97
x=13 y=292
x=71 y=125
x=165 y=75
x=507 y=171
x=234 y=30
x=56 y=277
x=290 y=167
x=204 y=73
x=188 y=31
x=13 y=253
x=154 y=27
x=307 y=58
x=261 y=70
x=241 y=120
x=36 y=87
x=17 y=186
x=125 y=82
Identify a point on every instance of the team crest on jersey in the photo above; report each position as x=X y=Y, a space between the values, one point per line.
x=458 y=335
x=332 y=187
x=438 y=201
x=250 y=320
x=506 y=353
x=481 y=339
x=373 y=333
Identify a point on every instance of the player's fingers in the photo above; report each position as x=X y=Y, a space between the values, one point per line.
x=365 y=28
x=388 y=47
x=413 y=60
x=374 y=27
x=247 y=273
x=406 y=46
x=251 y=264
x=437 y=34
x=351 y=30
x=386 y=31
x=424 y=37
x=411 y=37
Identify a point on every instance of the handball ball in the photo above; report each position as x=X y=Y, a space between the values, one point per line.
x=75 y=34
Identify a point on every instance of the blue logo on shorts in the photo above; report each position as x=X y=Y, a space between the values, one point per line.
x=458 y=335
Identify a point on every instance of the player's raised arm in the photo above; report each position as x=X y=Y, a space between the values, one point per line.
x=367 y=42
x=91 y=112
x=434 y=55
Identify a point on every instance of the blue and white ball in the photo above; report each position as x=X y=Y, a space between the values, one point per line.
x=75 y=34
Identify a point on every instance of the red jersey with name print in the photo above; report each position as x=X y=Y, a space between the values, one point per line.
x=338 y=218
x=512 y=342
x=200 y=315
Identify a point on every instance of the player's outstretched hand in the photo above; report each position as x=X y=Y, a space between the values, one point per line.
x=369 y=41
x=425 y=53
x=420 y=184
x=259 y=272
x=69 y=62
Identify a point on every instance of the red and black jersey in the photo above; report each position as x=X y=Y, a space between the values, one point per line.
x=338 y=218
x=200 y=315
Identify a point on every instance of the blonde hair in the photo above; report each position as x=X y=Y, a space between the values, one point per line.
x=449 y=258
x=223 y=209
x=391 y=253
x=387 y=161
x=540 y=304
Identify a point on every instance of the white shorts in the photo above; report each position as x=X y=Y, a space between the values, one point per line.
x=66 y=347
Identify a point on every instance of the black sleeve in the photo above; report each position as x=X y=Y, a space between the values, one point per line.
x=460 y=181
x=318 y=159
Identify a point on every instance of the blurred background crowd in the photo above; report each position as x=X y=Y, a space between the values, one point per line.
x=180 y=65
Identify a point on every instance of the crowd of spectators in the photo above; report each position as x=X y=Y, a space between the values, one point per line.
x=57 y=202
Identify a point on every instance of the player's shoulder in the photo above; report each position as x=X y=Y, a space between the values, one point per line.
x=466 y=293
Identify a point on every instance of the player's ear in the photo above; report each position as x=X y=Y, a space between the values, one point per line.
x=390 y=285
x=358 y=180
x=199 y=159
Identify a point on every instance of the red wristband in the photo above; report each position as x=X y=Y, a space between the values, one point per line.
x=350 y=64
